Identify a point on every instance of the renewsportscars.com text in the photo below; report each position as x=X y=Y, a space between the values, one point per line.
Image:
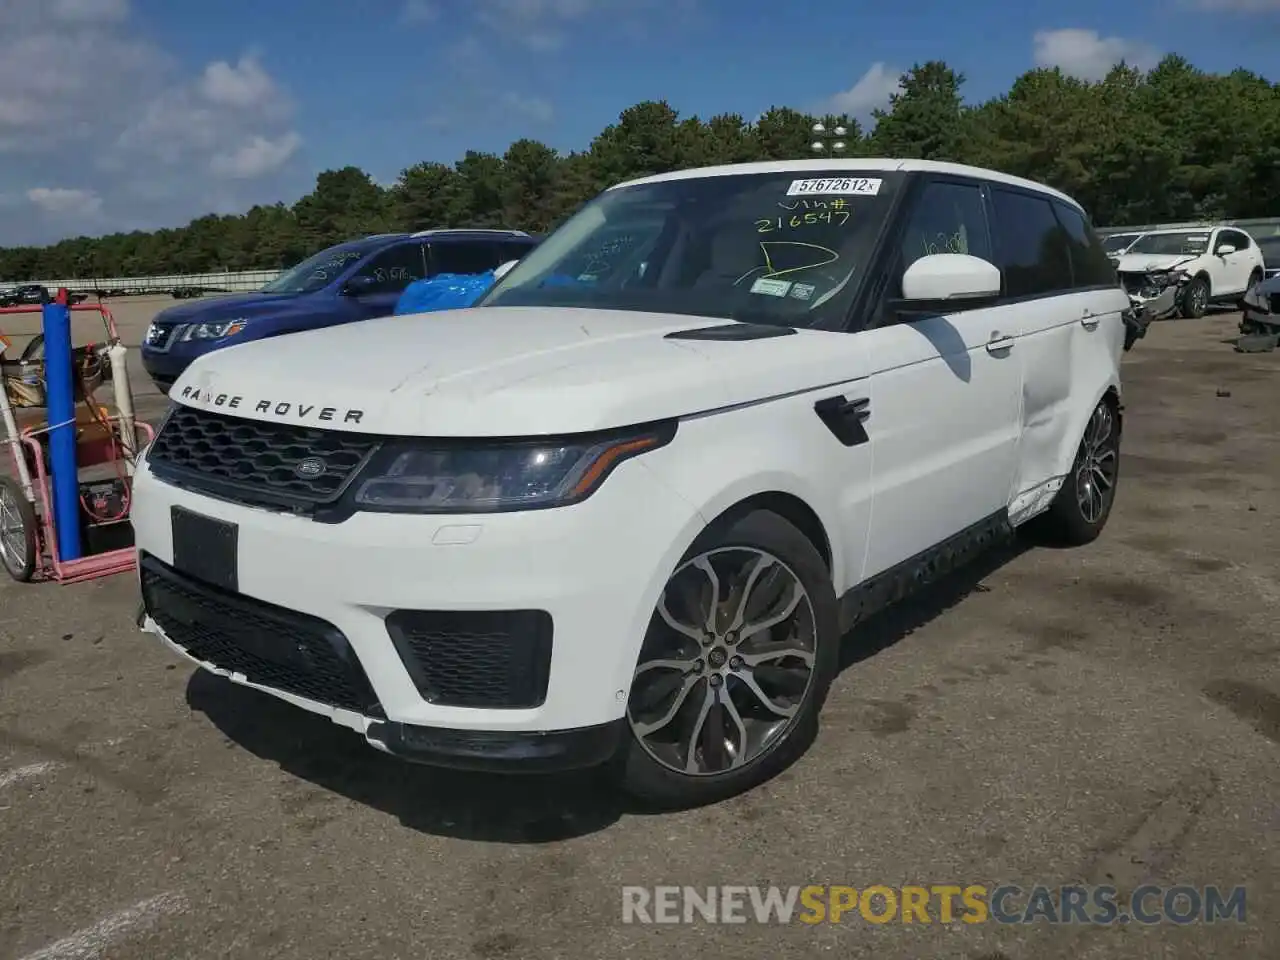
x=936 y=903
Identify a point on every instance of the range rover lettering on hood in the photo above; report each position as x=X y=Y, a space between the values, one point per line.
x=281 y=409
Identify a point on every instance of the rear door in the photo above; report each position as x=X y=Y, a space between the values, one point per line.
x=464 y=256
x=1054 y=271
x=944 y=423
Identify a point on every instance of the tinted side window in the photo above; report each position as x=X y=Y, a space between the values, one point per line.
x=1031 y=246
x=947 y=218
x=1237 y=239
x=1089 y=264
x=514 y=249
x=464 y=257
x=393 y=270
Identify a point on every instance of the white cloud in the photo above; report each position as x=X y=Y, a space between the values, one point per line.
x=533 y=108
x=871 y=92
x=244 y=84
x=126 y=130
x=1087 y=55
x=419 y=11
x=257 y=157
x=90 y=11
x=62 y=200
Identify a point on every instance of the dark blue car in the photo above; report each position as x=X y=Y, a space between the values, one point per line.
x=358 y=280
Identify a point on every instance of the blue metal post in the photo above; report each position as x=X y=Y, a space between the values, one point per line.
x=61 y=404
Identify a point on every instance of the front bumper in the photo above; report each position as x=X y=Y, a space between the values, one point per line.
x=1155 y=303
x=163 y=368
x=595 y=568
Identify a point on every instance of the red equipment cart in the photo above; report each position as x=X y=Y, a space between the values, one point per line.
x=104 y=445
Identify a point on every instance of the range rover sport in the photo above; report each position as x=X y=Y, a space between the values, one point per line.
x=623 y=510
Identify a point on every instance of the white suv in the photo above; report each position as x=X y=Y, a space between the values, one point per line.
x=625 y=509
x=1222 y=262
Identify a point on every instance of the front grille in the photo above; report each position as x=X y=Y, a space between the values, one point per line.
x=256 y=463
x=269 y=645
x=491 y=658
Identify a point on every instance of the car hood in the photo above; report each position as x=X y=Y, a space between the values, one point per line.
x=505 y=371
x=230 y=307
x=1146 y=262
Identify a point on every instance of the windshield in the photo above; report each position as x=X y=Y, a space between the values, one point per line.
x=319 y=271
x=1117 y=242
x=777 y=248
x=1191 y=243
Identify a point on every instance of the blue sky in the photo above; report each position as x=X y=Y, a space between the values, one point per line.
x=161 y=110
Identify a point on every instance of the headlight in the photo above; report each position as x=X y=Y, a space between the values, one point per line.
x=415 y=477
x=214 y=331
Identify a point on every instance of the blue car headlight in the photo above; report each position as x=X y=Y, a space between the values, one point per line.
x=214 y=331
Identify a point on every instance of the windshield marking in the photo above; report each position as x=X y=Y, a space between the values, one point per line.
x=770 y=224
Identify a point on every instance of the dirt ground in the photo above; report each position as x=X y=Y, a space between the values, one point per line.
x=1103 y=715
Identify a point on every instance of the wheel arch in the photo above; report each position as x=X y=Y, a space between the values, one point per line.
x=785 y=495
x=1111 y=392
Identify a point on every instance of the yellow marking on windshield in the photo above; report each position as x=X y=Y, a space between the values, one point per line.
x=832 y=257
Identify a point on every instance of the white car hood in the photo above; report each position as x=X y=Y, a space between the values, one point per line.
x=1143 y=262
x=496 y=371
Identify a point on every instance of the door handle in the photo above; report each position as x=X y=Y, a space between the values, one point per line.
x=1089 y=321
x=999 y=343
x=845 y=418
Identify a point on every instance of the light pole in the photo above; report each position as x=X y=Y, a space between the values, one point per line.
x=821 y=136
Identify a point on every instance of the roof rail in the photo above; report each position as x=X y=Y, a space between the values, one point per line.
x=471 y=230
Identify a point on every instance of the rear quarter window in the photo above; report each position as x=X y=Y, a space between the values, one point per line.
x=1089 y=264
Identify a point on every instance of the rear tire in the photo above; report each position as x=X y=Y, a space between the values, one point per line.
x=1081 y=508
x=715 y=712
x=18 y=540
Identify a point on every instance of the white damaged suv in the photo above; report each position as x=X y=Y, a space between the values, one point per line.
x=624 y=509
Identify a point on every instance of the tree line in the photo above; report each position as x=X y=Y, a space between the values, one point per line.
x=1174 y=143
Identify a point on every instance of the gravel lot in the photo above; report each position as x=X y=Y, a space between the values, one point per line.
x=1109 y=714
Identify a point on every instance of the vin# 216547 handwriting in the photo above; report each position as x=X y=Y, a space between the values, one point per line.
x=813 y=217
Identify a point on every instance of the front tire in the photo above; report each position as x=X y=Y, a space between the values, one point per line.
x=1081 y=508
x=1195 y=298
x=735 y=665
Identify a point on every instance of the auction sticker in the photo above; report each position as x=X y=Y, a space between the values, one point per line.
x=774 y=288
x=835 y=186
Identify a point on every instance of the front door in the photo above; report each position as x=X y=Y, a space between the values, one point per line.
x=1234 y=266
x=946 y=389
x=388 y=273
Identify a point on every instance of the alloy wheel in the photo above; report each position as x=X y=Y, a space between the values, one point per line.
x=13 y=534
x=1096 y=471
x=727 y=662
x=1199 y=298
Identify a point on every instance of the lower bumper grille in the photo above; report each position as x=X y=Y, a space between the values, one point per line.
x=269 y=645
x=486 y=659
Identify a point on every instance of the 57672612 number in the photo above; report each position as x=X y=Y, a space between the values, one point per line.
x=811 y=218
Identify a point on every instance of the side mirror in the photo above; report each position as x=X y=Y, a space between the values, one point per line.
x=358 y=286
x=1225 y=249
x=950 y=276
x=504 y=269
